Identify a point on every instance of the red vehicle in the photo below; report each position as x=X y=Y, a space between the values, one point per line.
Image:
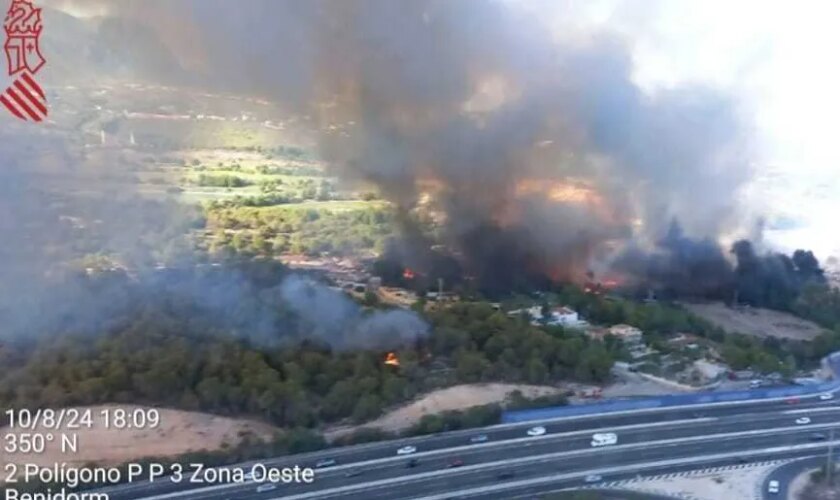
x=456 y=463
x=792 y=401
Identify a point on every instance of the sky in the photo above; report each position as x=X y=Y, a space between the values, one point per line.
x=778 y=57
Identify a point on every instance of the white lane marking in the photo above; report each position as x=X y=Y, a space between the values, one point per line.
x=617 y=470
x=810 y=410
x=347 y=450
x=507 y=443
x=525 y=460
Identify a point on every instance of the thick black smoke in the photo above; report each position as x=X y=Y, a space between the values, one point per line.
x=773 y=280
x=681 y=267
x=538 y=148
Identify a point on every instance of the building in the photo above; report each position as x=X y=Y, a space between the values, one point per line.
x=597 y=332
x=564 y=316
x=709 y=371
x=626 y=333
x=535 y=313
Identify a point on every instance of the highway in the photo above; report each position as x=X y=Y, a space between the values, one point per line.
x=786 y=473
x=644 y=438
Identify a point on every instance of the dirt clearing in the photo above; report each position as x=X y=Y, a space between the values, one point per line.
x=756 y=321
x=179 y=432
x=458 y=397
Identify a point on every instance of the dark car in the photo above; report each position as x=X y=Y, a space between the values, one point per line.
x=456 y=463
x=353 y=473
x=505 y=474
x=325 y=462
x=412 y=463
x=818 y=436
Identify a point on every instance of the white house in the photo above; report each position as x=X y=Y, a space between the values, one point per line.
x=565 y=316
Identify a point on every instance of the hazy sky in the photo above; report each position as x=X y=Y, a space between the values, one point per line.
x=779 y=57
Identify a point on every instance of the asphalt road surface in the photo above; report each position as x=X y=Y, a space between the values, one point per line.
x=785 y=474
x=509 y=456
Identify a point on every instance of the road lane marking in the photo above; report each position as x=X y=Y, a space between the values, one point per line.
x=618 y=470
x=810 y=410
x=467 y=469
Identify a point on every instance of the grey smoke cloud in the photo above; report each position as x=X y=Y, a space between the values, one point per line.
x=58 y=204
x=335 y=319
x=473 y=98
x=541 y=146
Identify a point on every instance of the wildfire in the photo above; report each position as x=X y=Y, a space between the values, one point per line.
x=408 y=274
x=570 y=192
x=392 y=359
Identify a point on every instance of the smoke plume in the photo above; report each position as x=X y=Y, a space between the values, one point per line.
x=536 y=149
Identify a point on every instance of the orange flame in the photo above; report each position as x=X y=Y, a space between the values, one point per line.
x=392 y=359
x=408 y=274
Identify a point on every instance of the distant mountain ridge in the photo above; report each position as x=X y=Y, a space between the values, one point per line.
x=87 y=49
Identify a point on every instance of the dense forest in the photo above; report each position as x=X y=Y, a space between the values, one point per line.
x=160 y=349
x=165 y=349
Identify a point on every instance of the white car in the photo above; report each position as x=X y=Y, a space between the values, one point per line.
x=826 y=396
x=773 y=486
x=593 y=478
x=604 y=439
x=407 y=450
x=266 y=487
x=803 y=421
x=536 y=431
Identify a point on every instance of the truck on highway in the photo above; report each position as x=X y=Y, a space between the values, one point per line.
x=604 y=439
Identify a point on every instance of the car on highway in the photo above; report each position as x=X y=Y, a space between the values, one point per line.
x=266 y=487
x=481 y=438
x=353 y=473
x=325 y=462
x=773 y=486
x=505 y=474
x=455 y=463
x=792 y=401
x=407 y=450
x=536 y=431
x=826 y=396
x=803 y=421
x=604 y=439
x=817 y=436
x=593 y=478
x=412 y=463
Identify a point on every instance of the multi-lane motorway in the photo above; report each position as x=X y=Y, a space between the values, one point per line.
x=511 y=464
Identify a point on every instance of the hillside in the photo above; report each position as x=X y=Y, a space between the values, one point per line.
x=179 y=432
x=756 y=321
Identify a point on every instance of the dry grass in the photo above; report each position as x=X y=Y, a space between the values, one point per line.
x=458 y=397
x=179 y=432
x=756 y=321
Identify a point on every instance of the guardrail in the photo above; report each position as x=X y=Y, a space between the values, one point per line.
x=701 y=398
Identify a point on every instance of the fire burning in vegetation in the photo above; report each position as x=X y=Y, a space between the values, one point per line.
x=392 y=360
